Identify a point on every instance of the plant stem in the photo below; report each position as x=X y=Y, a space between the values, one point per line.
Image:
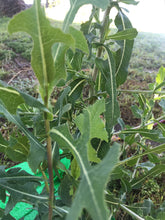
x=50 y=168
x=141 y=91
x=45 y=179
x=105 y=25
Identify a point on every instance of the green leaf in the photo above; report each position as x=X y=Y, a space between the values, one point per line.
x=59 y=50
x=10 y=98
x=80 y=41
x=35 y=147
x=162 y=104
x=112 y=112
x=33 y=102
x=3 y=144
x=76 y=4
x=123 y=55
x=90 y=193
x=75 y=170
x=18 y=149
x=34 y=22
x=76 y=89
x=150 y=134
x=160 y=79
x=138 y=113
x=26 y=98
x=21 y=186
x=129 y=2
x=158 y=169
x=5 y=217
x=159 y=149
x=127 y=34
x=97 y=127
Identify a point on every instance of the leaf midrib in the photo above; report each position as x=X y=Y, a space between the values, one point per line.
x=41 y=47
x=85 y=172
x=24 y=193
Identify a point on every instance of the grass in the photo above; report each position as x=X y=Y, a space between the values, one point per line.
x=13 y=45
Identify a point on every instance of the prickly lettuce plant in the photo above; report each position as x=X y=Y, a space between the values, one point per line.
x=76 y=126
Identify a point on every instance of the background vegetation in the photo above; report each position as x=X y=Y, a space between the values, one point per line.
x=126 y=194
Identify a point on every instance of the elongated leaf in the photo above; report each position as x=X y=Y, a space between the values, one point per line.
x=112 y=112
x=59 y=50
x=150 y=134
x=11 y=99
x=35 y=147
x=159 y=149
x=34 y=22
x=76 y=89
x=127 y=34
x=160 y=79
x=90 y=193
x=158 y=169
x=76 y=4
x=161 y=75
x=25 y=98
x=129 y=2
x=123 y=55
x=20 y=185
x=96 y=124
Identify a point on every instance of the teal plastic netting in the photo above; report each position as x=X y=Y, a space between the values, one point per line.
x=26 y=210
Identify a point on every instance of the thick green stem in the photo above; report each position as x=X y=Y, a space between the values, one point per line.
x=49 y=158
x=50 y=168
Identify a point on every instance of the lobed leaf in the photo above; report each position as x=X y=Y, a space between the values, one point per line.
x=96 y=124
x=34 y=22
x=80 y=41
x=90 y=193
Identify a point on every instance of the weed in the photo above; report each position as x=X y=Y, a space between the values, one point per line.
x=82 y=128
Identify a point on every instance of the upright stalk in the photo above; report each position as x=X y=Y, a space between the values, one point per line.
x=50 y=161
x=105 y=25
